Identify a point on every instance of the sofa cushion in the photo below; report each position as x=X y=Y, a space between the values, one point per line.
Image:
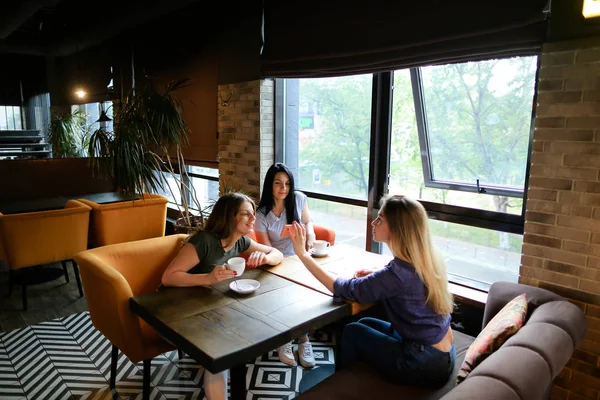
x=505 y=324
x=359 y=379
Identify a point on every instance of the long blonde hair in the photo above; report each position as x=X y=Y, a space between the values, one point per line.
x=410 y=241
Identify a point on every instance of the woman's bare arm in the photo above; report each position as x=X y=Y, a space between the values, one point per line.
x=298 y=239
x=259 y=254
x=177 y=273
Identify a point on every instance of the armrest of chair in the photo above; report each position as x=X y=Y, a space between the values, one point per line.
x=107 y=294
x=325 y=233
x=93 y=205
x=147 y=199
x=502 y=292
x=151 y=198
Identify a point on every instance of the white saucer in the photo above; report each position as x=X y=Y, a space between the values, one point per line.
x=244 y=286
x=318 y=255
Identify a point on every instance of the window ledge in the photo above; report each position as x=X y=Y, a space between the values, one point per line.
x=468 y=295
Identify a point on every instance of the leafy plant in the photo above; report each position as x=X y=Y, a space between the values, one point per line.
x=69 y=135
x=149 y=131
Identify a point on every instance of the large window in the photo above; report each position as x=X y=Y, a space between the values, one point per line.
x=456 y=137
x=329 y=144
x=10 y=118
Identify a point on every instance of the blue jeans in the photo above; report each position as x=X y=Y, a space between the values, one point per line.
x=375 y=342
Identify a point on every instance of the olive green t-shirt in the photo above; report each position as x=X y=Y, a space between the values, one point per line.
x=211 y=253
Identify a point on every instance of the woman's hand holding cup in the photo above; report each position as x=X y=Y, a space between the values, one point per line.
x=220 y=273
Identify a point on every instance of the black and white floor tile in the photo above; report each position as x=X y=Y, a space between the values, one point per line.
x=67 y=358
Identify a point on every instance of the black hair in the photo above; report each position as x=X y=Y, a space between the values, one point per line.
x=267 y=201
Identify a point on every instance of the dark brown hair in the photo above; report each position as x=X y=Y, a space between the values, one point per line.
x=221 y=221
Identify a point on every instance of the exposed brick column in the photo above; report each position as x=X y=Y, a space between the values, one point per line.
x=561 y=245
x=246 y=134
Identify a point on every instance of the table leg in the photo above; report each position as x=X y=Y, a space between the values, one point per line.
x=238 y=382
x=336 y=333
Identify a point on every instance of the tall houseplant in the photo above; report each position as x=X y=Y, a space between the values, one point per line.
x=69 y=135
x=149 y=132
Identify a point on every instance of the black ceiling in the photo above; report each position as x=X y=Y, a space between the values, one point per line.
x=63 y=27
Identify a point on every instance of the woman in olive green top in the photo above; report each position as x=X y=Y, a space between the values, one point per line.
x=201 y=260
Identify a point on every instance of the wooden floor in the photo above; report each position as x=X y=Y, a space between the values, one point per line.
x=46 y=301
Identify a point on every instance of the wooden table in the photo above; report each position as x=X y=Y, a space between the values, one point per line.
x=58 y=202
x=222 y=330
x=344 y=260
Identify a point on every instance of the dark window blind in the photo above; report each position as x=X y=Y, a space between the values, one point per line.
x=304 y=38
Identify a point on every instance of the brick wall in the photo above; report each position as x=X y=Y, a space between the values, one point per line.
x=561 y=245
x=246 y=134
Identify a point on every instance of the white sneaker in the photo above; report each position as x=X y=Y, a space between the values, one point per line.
x=305 y=355
x=286 y=355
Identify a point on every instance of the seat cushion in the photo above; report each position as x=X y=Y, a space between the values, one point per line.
x=504 y=325
x=360 y=381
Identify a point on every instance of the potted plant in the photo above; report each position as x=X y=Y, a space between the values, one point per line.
x=69 y=135
x=149 y=132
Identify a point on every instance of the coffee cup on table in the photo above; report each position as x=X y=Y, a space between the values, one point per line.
x=237 y=264
x=321 y=247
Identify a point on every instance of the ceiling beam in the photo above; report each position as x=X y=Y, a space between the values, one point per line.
x=15 y=14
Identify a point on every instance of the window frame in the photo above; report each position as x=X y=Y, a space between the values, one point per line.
x=379 y=164
x=427 y=159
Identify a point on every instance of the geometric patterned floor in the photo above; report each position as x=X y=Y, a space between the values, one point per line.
x=67 y=358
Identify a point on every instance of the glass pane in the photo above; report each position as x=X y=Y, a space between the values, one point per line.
x=327 y=133
x=478 y=254
x=3 y=123
x=108 y=108
x=204 y=171
x=92 y=113
x=206 y=191
x=348 y=221
x=17 y=116
x=406 y=168
x=171 y=190
x=10 y=117
x=479 y=119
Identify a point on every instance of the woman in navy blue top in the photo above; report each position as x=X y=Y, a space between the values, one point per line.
x=416 y=345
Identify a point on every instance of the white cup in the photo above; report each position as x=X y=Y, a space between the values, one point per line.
x=321 y=246
x=237 y=264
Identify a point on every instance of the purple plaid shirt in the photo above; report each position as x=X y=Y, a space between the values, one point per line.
x=403 y=295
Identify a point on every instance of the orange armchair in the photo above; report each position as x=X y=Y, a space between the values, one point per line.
x=128 y=220
x=111 y=275
x=324 y=233
x=36 y=238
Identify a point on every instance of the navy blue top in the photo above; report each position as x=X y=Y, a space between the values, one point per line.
x=404 y=297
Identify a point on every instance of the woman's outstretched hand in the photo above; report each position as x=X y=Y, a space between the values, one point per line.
x=362 y=272
x=298 y=238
